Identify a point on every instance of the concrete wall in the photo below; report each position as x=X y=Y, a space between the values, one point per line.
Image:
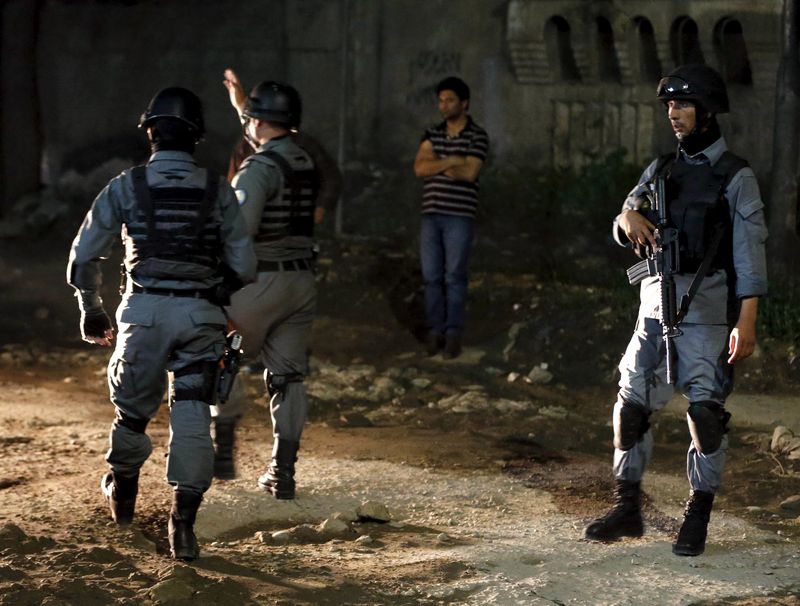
x=99 y=63
x=589 y=114
x=81 y=72
x=423 y=42
x=20 y=126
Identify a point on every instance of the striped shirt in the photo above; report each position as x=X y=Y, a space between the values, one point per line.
x=445 y=195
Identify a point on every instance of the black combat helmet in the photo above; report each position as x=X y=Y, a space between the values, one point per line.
x=698 y=83
x=275 y=102
x=176 y=103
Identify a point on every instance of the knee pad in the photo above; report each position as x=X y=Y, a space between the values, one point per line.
x=631 y=422
x=132 y=423
x=206 y=391
x=276 y=384
x=708 y=424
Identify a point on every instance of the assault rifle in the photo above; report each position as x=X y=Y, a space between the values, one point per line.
x=664 y=262
x=229 y=366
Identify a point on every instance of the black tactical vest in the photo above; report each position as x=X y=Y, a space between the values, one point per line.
x=293 y=213
x=699 y=209
x=174 y=224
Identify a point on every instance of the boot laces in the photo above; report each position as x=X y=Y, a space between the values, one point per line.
x=697 y=507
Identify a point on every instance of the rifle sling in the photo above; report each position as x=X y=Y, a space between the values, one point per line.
x=705 y=265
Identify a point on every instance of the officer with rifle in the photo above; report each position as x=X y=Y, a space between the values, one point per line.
x=186 y=250
x=696 y=217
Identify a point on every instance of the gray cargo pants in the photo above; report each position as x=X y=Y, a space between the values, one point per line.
x=157 y=334
x=703 y=374
x=274 y=316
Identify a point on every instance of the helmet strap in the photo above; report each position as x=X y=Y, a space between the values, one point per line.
x=250 y=139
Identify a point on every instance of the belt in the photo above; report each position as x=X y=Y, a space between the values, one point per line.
x=293 y=265
x=170 y=292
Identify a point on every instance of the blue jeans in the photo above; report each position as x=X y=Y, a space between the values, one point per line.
x=445 y=242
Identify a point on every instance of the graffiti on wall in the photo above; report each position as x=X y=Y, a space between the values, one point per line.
x=425 y=70
x=308 y=10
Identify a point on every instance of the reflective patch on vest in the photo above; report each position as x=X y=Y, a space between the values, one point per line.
x=241 y=196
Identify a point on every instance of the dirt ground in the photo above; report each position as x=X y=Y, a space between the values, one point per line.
x=485 y=482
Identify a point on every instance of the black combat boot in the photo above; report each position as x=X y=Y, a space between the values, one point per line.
x=120 y=493
x=691 y=539
x=182 y=542
x=624 y=519
x=223 y=432
x=279 y=477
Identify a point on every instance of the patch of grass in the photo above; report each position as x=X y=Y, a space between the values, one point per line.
x=779 y=313
x=565 y=200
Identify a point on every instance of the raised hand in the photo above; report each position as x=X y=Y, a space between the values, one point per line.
x=235 y=90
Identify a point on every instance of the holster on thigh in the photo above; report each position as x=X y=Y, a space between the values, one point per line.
x=277 y=384
x=209 y=371
x=631 y=422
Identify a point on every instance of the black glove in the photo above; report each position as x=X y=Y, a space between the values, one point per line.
x=94 y=323
x=94 y=319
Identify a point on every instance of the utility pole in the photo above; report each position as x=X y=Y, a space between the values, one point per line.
x=784 y=241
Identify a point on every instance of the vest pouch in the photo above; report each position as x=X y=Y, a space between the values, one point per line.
x=164 y=269
x=694 y=235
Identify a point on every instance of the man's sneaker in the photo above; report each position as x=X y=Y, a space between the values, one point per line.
x=433 y=343
x=452 y=346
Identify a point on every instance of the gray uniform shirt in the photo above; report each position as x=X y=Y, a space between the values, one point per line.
x=116 y=206
x=259 y=183
x=749 y=256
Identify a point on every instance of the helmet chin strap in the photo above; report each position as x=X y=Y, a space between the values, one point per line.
x=250 y=139
x=253 y=143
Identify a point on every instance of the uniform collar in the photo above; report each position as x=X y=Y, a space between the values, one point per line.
x=171 y=156
x=712 y=153
x=273 y=143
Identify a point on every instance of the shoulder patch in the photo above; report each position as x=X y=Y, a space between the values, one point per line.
x=241 y=196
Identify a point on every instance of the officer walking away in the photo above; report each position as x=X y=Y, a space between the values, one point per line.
x=329 y=181
x=449 y=159
x=714 y=202
x=277 y=189
x=186 y=249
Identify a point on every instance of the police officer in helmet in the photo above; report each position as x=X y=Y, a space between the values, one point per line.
x=186 y=249
x=277 y=190
x=714 y=202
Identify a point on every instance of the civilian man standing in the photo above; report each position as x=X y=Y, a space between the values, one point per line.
x=449 y=158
